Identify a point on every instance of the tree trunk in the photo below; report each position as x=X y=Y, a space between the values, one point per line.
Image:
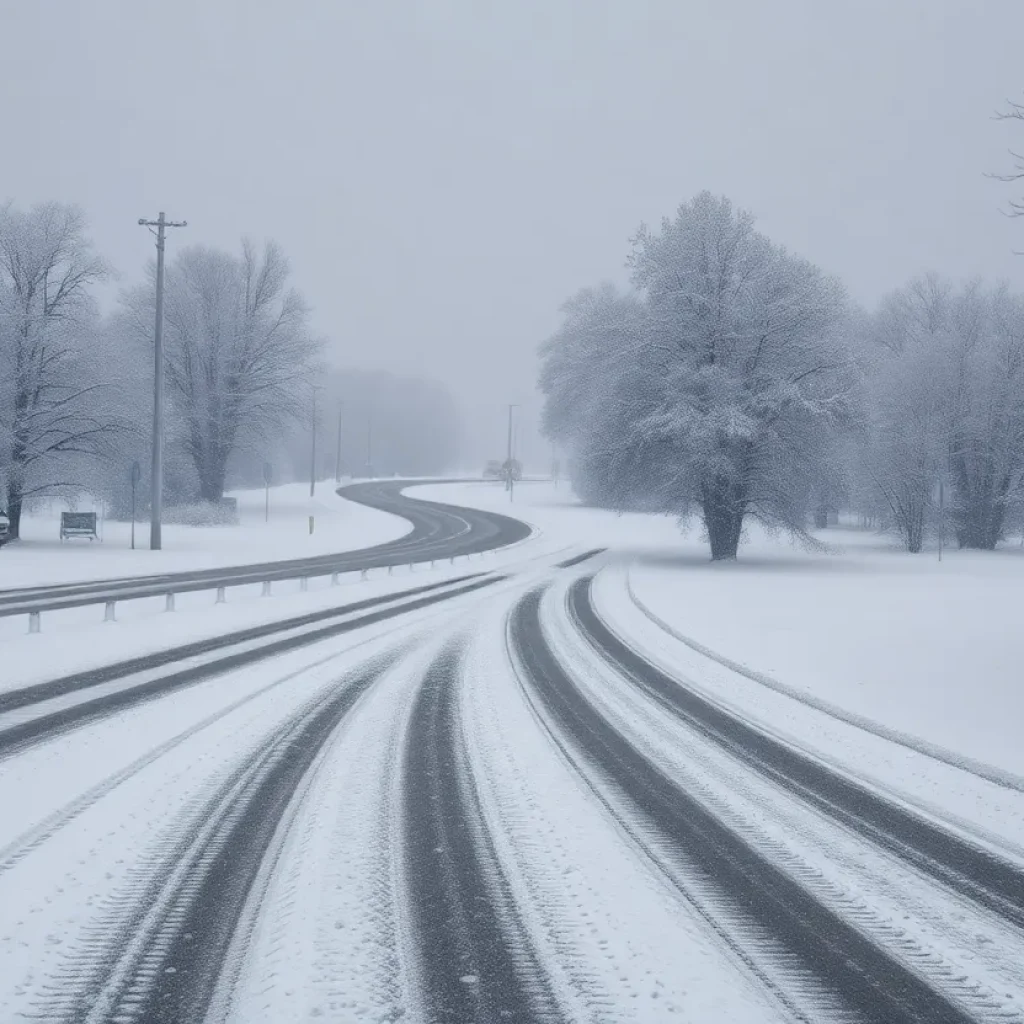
x=723 y=508
x=915 y=532
x=211 y=481
x=979 y=524
x=821 y=517
x=14 y=506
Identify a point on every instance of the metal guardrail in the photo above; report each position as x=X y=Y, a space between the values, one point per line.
x=169 y=591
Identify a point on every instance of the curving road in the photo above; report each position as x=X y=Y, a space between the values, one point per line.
x=474 y=800
x=438 y=531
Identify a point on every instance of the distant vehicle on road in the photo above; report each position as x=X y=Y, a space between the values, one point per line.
x=5 y=528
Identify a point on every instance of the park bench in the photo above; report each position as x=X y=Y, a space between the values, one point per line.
x=78 y=524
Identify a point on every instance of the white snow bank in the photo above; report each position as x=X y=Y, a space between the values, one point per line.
x=339 y=525
x=935 y=650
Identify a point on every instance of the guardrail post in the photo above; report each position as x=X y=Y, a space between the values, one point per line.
x=221 y=596
x=108 y=612
x=334 y=579
x=266 y=589
x=34 y=624
x=304 y=584
x=169 y=603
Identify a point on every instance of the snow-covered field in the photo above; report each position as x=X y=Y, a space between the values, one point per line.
x=932 y=649
x=632 y=788
x=339 y=525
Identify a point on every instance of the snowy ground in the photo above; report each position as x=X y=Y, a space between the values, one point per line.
x=933 y=649
x=475 y=805
x=339 y=525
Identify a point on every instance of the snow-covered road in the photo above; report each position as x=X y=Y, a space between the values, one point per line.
x=490 y=796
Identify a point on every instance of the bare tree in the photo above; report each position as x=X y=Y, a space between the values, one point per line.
x=1014 y=112
x=904 y=442
x=945 y=399
x=986 y=445
x=53 y=407
x=238 y=349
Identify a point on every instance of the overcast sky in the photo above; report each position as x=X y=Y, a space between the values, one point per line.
x=444 y=173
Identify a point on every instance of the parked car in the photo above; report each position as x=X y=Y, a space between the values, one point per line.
x=5 y=528
x=493 y=470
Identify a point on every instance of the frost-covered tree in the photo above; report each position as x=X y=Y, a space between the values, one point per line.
x=716 y=389
x=239 y=353
x=57 y=411
x=986 y=402
x=754 y=375
x=597 y=386
x=905 y=437
x=945 y=400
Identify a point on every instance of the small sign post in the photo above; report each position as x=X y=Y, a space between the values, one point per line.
x=268 y=473
x=135 y=476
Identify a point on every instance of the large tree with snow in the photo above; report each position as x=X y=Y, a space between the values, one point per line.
x=746 y=343
x=239 y=349
x=56 y=410
x=715 y=389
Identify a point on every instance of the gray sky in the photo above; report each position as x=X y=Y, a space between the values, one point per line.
x=444 y=173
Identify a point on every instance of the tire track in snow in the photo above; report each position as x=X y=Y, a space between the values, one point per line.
x=26 y=696
x=155 y=953
x=993 y=883
x=476 y=965
x=819 y=943
x=16 y=850
x=42 y=726
x=323 y=939
x=961 y=949
x=616 y=941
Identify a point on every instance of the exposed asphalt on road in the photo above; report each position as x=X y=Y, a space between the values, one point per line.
x=438 y=531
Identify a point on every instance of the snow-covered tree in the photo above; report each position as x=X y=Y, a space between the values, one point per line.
x=753 y=376
x=57 y=411
x=986 y=402
x=903 y=442
x=239 y=351
x=716 y=389
x=597 y=385
x=945 y=401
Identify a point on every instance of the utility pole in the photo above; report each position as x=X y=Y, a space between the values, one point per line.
x=508 y=462
x=369 y=443
x=337 y=458
x=156 y=501
x=312 y=452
